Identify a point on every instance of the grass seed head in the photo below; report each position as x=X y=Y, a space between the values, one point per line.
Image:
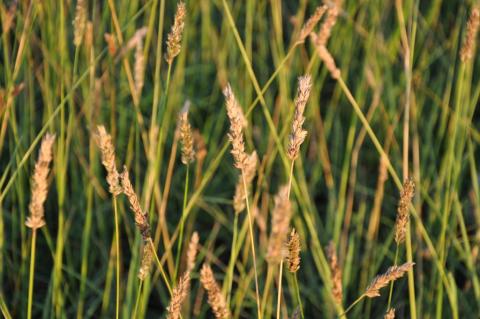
x=146 y=263
x=104 y=142
x=174 y=40
x=336 y=273
x=403 y=215
x=390 y=314
x=215 y=297
x=192 y=252
x=392 y=274
x=298 y=134
x=293 y=246
x=180 y=292
x=249 y=174
x=281 y=215
x=186 y=136
x=466 y=52
x=79 y=22
x=312 y=22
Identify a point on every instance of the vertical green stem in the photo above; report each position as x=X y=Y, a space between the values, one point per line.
x=233 y=257
x=182 y=224
x=391 y=284
x=160 y=267
x=32 y=273
x=117 y=259
x=279 y=298
x=137 y=302
x=297 y=290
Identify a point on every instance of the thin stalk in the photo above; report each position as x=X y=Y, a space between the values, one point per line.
x=252 y=242
x=392 y=283
x=32 y=273
x=182 y=224
x=352 y=305
x=160 y=267
x=117 y=259
x=279 y=298
x=297 y=291
x=231 y=263
x=137 y=302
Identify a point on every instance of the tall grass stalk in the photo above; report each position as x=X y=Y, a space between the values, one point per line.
x=182 y=224
x=31 y=273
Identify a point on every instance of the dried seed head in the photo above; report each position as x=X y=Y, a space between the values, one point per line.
x=147 y=259
x=111 y=43
x=141 y=218
x=237 y=120
x=282 y=212
x=180 y=292
x=326 y=30
x=298 y=134
x=325 y=56
x=390 y=314
x=192 y=252
x=336 y=273
x=175 y=36
x=40 y=183
x=249 y=174
x=199 y=142
x=89 y=36
x=79 y=22
x=186 y=136
x=466 y=53
x=392 y=274
x=293 y=246
x=312 y=22
x=403 y=215
x=104 y=142
x=215 y=297
x=139 y=68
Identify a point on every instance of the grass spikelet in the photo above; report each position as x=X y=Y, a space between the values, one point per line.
x=192 y=252
x=281 y=215
x=139 y=67
x=298 y=134
x=293 y=246
x=79 y=22
x=111 y=43
x=186 y=136
x=466 y=53
x=215 y=297
x=147 y=259
x=325 y=56
x=312 y=22
x=141 y=218
x=40 y=183
x=175 y=36
x=390 y=314
x=326 y=29
x=250 y=171
x=104 y=142
x=180 y=292
x=336 y=273
x=403 y=215
x=392 y=274
x=237 y=120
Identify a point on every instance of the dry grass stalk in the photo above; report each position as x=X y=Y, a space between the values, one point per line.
x=237 y=121
x=298 y=134
x=104 y=142
x=312 y=22
x=192 y=252
x=139 y=67
x=403 y=215
x=326 y=30
x=147 y=259
x=281 y=216
x=141 y=218
x=392 y=274
x=466 y=53
x=390 y=314
x=79 y=22
x=180 y=292
x=175 y=36
x=249 y=173
x=215 y=297
x=325 y=56
x=336 y=273
x=40 y=183
x=186 y=136
x=293 y=246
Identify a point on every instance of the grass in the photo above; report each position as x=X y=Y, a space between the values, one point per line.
x=404 y=106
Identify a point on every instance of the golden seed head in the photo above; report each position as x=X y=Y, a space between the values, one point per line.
x=281 y=215
x=293 y=246
x=104 y=142
x=326 y=30
x=147 y=259
x=215 y=297
x=175 y=36
x=192 y=252
x=325 y=56
x=180 y=292
x=237 y=120
x=392 y=274
x=312 y=22
x=336 y=271
x=79 y=22
x=298 y=134
x=139 y=67
x=403 y=215
x=40 y=183
x=466 y=53
x=249 y=174
x=186 y=136
x=390 y=314
x=141 y=218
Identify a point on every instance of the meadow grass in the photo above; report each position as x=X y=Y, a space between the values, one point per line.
x=340 y=181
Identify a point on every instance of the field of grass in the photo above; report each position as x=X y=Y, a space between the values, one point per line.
x=391 y=108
